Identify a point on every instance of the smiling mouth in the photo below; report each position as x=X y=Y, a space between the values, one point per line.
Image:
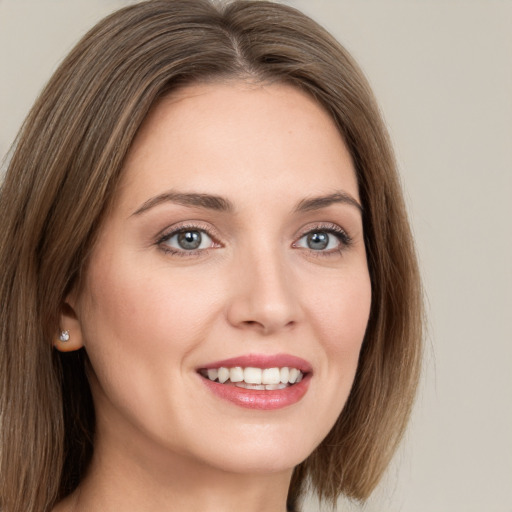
x=269 y=379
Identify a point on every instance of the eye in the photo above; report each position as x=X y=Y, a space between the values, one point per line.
x=186 y=240
x=319 y=241
x=324 y=239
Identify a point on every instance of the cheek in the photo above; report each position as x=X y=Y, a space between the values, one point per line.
x=338 y=317
x=341 y=314
x=138 y=329
x=143 y=320
x=340 y=321
x=149 y=304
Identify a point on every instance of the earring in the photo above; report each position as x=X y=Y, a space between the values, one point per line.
x=64 y=336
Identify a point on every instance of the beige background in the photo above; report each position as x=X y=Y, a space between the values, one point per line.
x=442 y=71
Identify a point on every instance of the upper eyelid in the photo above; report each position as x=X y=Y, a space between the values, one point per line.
x=215 y=235
x=345 y=239
x=318 y=226
x=183 y=226
x=170 y=232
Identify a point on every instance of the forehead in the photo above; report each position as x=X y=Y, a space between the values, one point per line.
x=223 y=137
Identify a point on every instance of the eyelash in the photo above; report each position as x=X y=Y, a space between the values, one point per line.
x=345 y=241
x=167 y=235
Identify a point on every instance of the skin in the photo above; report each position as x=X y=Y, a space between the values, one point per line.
x=152 y=313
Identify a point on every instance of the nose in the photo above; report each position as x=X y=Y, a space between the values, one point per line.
x=264 y=297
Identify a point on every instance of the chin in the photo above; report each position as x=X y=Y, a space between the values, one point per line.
x=260 y=450
x=261 y=462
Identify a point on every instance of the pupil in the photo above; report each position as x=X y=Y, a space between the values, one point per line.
x=318 y=241
x=189 y=240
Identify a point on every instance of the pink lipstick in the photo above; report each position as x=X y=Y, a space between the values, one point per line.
x=258 y=381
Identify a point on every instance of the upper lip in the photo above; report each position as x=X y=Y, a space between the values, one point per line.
x=262 y=361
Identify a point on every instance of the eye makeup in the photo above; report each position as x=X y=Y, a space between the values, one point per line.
x=324 y=239
x=191 y=239
x=188 y=239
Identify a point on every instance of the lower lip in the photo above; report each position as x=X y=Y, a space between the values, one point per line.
x=259 y=398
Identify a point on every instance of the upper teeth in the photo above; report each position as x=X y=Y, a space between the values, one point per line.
x=257 y=376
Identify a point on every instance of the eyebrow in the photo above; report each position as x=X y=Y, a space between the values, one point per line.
x=319 y=202
x=221 y=204
x=210 y=202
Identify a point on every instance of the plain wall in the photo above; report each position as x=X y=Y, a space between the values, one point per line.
x=442 y=72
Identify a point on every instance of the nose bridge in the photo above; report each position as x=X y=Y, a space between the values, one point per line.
x=264 y=297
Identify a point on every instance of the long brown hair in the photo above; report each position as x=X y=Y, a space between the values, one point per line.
x=61 y=181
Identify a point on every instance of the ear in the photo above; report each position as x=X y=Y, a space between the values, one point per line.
x=69 y=337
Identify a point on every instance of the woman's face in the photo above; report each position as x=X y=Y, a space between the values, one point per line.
x=235 y=242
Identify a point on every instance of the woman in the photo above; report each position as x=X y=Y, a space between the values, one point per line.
x=210 y=292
